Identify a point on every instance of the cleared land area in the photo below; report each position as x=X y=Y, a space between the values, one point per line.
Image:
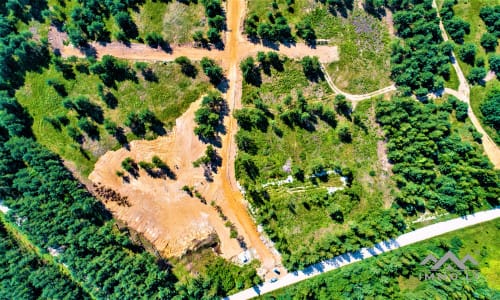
x=363 y=40
x=167 y=216
x=175 y=21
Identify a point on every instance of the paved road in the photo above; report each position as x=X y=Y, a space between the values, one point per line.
x=349 y=258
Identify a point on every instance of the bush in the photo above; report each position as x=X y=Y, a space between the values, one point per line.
x=467 y=53
x=345 y=134
x=187 y=68
x=476 y=75
x=154 y=39
x=489 y=42
x=212 y=70
x=490 y=109
x=251 y=72
x=311 y=68
x=494 y=62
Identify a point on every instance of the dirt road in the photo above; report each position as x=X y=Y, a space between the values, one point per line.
x=143 y=52
x=463 y=93
x=232 y=200
x=163 y=213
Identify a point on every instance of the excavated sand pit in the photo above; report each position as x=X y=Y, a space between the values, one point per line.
x=158 y=208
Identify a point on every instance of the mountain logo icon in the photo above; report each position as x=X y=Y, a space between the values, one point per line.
x=449 y=256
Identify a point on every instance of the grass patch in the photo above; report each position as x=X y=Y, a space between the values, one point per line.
x=364 y=64
x=167 y=98
x=453 y=82
x=300 y=8
x=175 y=21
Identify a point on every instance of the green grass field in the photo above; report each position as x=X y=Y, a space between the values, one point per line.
x=167 y=98
x=372 y=274
x=295 y=220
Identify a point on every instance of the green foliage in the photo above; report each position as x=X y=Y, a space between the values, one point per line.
x=209 y=116
x=490 y=16
x=476 y=75
x=455 y=26
x=424 y=170
x=306 y=31
x=489 y=42
x=212 y=70
x=275 y=29
x=311 y=68
x=110 y=70
x=467 y=53
x=490 y=109
x=494 y=62
x=26 y=276
x=218 y=279
x=345 y=134
x=251 y=72
x=419 y=62
x=400 y=275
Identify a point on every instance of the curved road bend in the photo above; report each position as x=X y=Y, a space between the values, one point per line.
x=382 y=247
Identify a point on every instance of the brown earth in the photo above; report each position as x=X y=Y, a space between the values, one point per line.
x=167 y=216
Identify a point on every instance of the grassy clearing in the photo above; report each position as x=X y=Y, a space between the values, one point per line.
x=296 y=220
x=468 y=10
x=364 y=64
x=175 y=21
x=477 y=96
x=167 y=98
x=300 y=8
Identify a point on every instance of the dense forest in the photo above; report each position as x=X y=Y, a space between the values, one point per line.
x=25 y=276
x=433 y=167
x=420 y=60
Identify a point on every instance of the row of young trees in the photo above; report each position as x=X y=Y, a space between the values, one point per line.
x=87 y=20
x=456 y=27
x=490 y=108
x=26 y=276
x=209 y=116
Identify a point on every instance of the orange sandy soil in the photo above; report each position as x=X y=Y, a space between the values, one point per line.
x=167 y=216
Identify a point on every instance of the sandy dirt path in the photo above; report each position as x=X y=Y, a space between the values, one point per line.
x=143 y=52
x=490 y=148
x=232 y=199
